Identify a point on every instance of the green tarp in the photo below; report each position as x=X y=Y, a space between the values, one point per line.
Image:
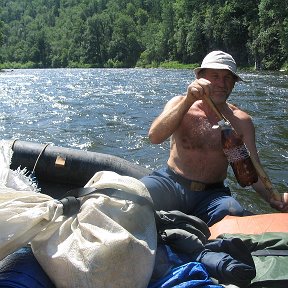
x=270 y=255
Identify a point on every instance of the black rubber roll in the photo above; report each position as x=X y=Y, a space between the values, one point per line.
x=71 y=167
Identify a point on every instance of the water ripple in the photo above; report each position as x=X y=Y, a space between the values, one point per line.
x=110 y=111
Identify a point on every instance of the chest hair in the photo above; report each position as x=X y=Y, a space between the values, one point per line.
x=196 y=132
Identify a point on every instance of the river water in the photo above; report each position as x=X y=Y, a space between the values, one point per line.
x=110 y=111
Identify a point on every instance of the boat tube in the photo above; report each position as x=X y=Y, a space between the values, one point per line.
x=58 y=169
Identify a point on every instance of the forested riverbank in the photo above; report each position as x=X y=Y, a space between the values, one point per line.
x=145 y=33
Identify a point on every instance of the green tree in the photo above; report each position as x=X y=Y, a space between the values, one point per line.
x=196 y=42
x=152 y=53
x=124 y=47
x=167 y=30
x=271 y=41
x=67 y=36
x=97 y=38
x=188 y=30
x=62 y=33
x=1 y=33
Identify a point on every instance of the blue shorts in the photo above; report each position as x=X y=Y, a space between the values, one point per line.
x=168 y=193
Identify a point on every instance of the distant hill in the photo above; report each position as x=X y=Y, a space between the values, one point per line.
x=121 y=33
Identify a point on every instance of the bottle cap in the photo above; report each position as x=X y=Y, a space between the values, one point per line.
x=222 y=123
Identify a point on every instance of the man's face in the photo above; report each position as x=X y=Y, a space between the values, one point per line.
x=222 y=81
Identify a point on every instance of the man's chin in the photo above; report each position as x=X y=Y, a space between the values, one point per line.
x=220 y=98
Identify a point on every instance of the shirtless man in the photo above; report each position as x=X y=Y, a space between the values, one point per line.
x=193 y=181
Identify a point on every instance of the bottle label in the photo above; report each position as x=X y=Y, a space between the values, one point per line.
x=236 y=153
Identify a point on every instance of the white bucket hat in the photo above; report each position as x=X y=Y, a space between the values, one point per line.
x=219 y=60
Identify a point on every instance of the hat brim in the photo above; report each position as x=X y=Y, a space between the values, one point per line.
x=218 y=67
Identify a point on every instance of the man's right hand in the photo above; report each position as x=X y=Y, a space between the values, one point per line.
x=197 y=89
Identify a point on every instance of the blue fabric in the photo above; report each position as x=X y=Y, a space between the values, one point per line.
x=191 y=274
x=21 y=270
x=175 y=270
x=210 y=205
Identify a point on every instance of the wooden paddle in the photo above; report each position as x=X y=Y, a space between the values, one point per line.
x=259 y=169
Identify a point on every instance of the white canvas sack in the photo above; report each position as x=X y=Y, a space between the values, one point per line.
x=110 y=242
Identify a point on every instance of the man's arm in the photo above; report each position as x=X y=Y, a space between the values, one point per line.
x=259 y=187
x=280 y=205
x=170 y=119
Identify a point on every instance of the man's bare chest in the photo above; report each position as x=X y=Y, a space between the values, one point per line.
x=196 y=132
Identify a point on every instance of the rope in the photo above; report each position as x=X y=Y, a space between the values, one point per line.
x=33 y=171
x=13 y=142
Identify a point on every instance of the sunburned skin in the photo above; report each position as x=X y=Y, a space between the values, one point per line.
x=196 y=130
x=196 y=153
x=203 y=137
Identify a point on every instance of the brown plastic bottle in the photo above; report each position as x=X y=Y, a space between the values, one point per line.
x=237 y=156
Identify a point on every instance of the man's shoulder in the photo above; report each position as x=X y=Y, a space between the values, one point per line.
x=238 y=112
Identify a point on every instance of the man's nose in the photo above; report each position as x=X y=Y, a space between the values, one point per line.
x=220 y=81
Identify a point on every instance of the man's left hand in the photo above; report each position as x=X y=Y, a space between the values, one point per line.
x=280 y=205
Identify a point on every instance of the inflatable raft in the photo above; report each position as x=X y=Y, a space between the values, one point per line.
x=59 y=169
x=252 y=225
